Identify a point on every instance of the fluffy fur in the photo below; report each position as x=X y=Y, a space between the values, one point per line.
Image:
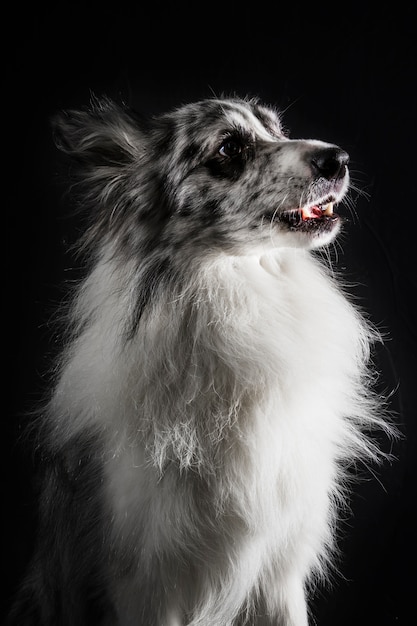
x=214 y=389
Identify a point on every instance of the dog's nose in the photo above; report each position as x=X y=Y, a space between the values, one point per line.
x=330 y=162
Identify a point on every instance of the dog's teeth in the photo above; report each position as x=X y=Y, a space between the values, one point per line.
x=328 y=209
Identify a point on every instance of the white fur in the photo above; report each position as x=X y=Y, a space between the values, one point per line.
x=261 y=394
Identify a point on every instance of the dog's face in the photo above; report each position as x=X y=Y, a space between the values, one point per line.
x=214 y=175
x=239 y=180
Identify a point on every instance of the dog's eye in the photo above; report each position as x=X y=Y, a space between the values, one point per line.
x=230 y=148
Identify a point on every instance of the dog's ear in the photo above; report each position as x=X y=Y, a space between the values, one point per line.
x=105 y=134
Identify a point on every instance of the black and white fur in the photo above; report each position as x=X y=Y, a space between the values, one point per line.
x=214 y=388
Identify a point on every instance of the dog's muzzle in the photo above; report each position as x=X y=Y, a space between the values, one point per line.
x=329 y=174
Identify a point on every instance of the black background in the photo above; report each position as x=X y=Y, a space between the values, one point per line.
x=342 y=73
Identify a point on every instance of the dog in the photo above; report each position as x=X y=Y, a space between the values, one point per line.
x=215 y=388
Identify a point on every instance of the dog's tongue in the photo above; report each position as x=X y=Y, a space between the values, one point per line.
x=311 y=212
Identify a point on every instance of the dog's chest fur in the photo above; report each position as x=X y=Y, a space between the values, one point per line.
x=258 y=406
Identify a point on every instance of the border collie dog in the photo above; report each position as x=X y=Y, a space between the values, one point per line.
x=215 y=386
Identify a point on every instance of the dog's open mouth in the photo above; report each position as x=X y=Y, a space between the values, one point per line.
x=313 y=217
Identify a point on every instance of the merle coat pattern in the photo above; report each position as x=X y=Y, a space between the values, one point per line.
x=214 y=387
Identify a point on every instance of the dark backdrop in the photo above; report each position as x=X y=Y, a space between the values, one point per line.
x=343 y=73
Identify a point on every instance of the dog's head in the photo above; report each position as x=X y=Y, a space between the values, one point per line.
x=219 y=174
